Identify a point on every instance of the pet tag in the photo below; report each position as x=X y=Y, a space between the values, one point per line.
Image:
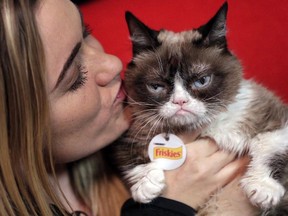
x=167 y=150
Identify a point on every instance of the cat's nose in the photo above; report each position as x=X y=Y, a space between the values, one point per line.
x=180 y=101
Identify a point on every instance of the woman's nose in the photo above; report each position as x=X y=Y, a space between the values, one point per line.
x=111 y=68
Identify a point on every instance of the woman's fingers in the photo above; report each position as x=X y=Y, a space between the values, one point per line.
x=205 y=170
x=201 y=148
x=219 y=160
x=231 y=170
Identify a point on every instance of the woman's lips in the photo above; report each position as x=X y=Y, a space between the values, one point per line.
x=121 y=94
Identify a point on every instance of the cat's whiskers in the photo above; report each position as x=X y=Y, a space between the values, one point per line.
x=136 y=137
x=216 y=101
x=157 y=102
x=154 y=126
x=213 y=97
x=141 y=113
x=143 y=122
x=133 y=102
x=140 y=120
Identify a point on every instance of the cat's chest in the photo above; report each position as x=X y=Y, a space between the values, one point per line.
x=226 y=129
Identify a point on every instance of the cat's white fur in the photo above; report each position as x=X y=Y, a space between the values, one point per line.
x=225 y=128
x=148 y=180
x=183 y=104
x=269 y=191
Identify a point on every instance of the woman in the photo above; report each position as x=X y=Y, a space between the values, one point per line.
x=61 y=103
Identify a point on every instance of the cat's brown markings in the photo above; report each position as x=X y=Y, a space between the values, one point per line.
x=187 y=81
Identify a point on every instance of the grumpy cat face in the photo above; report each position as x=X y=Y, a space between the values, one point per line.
x=184 y=79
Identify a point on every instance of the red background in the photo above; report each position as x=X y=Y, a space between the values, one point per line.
x=257 y=30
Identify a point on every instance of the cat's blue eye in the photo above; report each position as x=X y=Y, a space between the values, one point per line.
x=203 y=82
x=155 y=88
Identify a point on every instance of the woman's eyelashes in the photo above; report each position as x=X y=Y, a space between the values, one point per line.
x=81 y=78
x=80 y=69
x=86 y=31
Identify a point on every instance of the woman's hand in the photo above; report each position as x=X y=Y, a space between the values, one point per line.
x=205 y=170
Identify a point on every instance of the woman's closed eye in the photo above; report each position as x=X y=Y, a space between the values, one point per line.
x=81 y=78
x=81 y=70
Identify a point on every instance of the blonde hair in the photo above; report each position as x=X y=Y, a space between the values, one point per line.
x=25 y=151
x=98 y=184
x=24 y=114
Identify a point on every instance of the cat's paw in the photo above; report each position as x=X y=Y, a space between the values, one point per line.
x=264 y=193
x=150 y=183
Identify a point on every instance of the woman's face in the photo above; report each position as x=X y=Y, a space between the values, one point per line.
x=83 y=83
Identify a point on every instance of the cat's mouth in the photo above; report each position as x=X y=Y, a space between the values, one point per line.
x=182 y=111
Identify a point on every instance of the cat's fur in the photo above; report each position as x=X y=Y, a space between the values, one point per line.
x=196 y=72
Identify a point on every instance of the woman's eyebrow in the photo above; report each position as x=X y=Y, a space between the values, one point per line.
x=68 y=63
x=72 y=55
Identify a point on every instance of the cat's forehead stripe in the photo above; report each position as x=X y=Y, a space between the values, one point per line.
x=179 y=37
x=200 y=67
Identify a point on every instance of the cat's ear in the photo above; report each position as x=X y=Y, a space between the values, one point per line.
x=142 y=37
x=214 y=32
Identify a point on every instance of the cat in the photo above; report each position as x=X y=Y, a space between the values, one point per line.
x=188 y=81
